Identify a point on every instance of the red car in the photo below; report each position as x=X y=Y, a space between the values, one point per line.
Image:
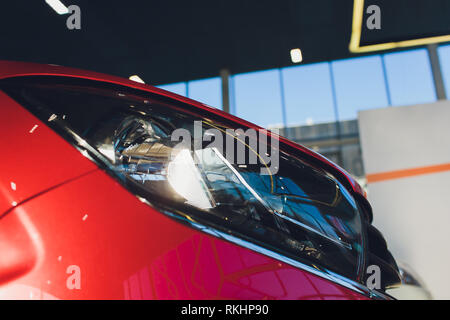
x=112 y=189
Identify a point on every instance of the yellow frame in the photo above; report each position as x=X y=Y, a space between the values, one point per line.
x=358 y=13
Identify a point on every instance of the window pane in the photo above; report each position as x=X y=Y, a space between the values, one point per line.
x=444 y=58
x=308 y=94
x=258 y=97
x=409 y=76
x=359 y=85
x=178 y=88
x=207 y=91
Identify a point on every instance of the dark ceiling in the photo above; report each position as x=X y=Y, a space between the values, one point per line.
x=170 y=41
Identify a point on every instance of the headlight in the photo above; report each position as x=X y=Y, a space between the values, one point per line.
x=292 y=208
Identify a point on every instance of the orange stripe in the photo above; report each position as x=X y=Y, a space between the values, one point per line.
x=397 y=174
